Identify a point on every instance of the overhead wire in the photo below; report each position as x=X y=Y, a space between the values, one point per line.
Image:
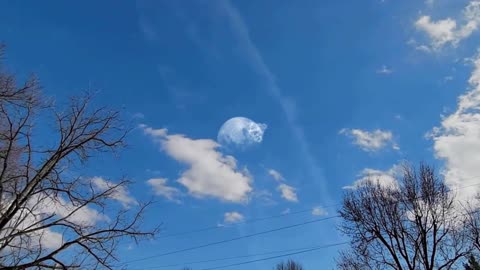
x=247 y=221
x=230 y=239
x=231 y=257
x=306 y=250
x=275 y=257
x=254 y=220
x=250 y=235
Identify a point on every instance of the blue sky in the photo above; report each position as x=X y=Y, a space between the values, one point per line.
x=346 y=88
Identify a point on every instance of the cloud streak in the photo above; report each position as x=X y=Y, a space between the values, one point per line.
x=255 y=59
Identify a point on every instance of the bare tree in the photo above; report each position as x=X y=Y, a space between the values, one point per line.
x=289 y=265
x=49 y=218
x=473 y=226
x=413 y=224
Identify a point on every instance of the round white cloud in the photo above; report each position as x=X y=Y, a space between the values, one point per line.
x=241 y=131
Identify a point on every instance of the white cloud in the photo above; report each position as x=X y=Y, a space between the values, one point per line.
x=28 y=220
x=384 y=178
x=457 y=140
x=276 y=175
x=288 y=192
x=232 y=217
x=84 y=216
x=371 y=141
x=119 y=193
x=286 y=211
x=447 y=31
x=41 y=206
x=210 y=173
x=160 y=188
x=319 y=211
x=440 y=32
x=384 y=70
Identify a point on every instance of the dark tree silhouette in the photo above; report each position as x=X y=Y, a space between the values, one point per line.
x=289 y=265
x=472 y=263
x=473 y=223
x=414 y=224
x=46 y=213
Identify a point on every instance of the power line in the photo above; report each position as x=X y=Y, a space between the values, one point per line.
x=230 y=258
x=231 y=239
x=254 y=220
x=275 y=257
x=248 y=221
x=251 y=235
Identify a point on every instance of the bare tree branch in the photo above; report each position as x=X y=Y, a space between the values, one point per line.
x=414 y=225
x=45 y=214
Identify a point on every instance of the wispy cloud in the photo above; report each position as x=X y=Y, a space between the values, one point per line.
x=179 y=90
x=263 y=196
x=384 y=70
x=276 y=175
x=119 y=192
x=160 y=188
x=289 y=193
x=371 y=141
x=232 y=217
x=448 y=78
x=319 y=211
x=447 y=31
